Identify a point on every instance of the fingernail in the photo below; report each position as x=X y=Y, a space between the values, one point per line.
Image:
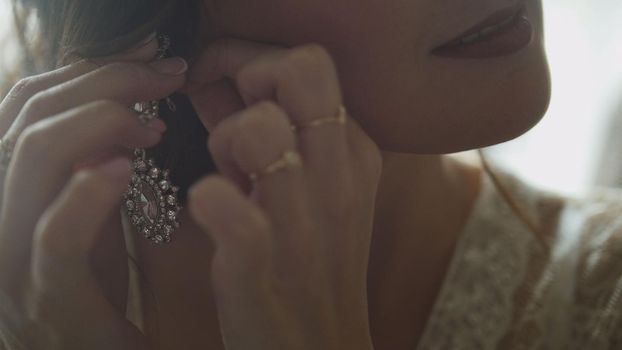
x=171 y=66
x=117 y=167
x=157 y=125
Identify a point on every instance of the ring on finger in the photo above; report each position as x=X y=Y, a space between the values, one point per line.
x=340 y=119
x=289 y=159
x=293 y=158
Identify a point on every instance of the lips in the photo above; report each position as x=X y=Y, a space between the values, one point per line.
x=494 y=23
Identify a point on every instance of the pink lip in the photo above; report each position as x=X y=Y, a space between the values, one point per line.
x=491 y=20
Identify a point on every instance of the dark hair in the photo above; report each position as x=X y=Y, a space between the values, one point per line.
x=92 y=28
x=67 y=30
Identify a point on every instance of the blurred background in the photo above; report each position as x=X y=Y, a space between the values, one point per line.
x=576 y=146
x=579 y=142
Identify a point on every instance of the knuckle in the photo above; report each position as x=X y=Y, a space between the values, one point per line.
x=312 y=66
x=33 y=144
x=317 y=53
x=267 y=110
x=37 y=106
x=310 y=58
x=35 y=140
x=49 y=243
x=89 y=186
x=25 y=87
x=265 y=120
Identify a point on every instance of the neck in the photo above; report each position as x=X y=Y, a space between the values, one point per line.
x=423 y=194
x=422 y=206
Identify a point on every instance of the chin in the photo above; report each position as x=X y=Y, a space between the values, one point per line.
x=490 y=103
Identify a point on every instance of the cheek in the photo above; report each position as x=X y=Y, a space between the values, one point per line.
x=283 y=22
x=450 y=109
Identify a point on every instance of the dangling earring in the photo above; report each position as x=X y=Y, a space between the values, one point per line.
x=151 y=200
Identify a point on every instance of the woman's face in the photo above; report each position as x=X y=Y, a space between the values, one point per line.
x=405 y=97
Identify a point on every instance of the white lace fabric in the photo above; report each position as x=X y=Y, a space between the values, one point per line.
x=506 y=290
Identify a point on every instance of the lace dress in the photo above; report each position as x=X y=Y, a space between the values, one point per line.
x=510 y=288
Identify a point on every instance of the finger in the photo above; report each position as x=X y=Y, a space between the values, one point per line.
x=28 y=87
x=37 y=174
x=126 y=83
x=215 y=68
x=222 y=57
x=68 y=228
x=24 y=91
x=213 y=94
x=303 y=81
x=249 y=142
x=66 y=294
x=240 y=229
x=242 y=269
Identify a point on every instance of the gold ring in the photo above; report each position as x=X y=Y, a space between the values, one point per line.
x=339 y=119
x=288 y=159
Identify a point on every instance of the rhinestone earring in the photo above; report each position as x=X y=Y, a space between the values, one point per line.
x=151 y=200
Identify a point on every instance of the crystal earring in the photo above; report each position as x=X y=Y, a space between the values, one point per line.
x=151 y=200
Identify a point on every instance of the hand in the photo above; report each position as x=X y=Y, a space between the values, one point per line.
x=290 y=266
x=74 y=131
